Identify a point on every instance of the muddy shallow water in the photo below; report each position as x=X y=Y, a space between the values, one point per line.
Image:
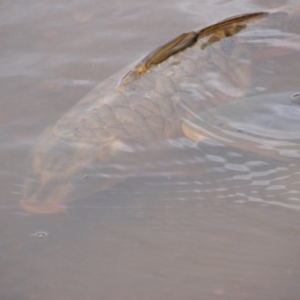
x=232 y=233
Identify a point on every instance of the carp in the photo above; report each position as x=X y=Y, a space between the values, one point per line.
x=106 y=137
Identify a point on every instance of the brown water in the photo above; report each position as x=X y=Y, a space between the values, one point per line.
x=233 y=233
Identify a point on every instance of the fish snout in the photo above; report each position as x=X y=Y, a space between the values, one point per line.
x=34 y=206
x=45 y=198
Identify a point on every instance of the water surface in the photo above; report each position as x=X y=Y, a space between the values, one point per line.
x=231 y=233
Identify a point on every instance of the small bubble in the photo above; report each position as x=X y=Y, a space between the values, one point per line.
x=40 y=234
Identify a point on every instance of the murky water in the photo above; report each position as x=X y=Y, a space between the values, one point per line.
x=231 y=233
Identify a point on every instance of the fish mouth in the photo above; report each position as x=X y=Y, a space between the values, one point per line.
x=37 y=207
x=46 y=197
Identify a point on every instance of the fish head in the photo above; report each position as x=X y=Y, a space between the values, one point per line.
x=62 y=172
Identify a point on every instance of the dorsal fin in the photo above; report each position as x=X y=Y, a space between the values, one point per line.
x=184 y=41
x=229 y=21
x=160 y=54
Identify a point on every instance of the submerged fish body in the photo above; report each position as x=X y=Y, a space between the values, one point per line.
x=106 y=136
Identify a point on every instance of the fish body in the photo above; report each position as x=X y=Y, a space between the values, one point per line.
x=106 y=136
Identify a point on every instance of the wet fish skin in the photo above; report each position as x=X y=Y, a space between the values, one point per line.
x=106 y=137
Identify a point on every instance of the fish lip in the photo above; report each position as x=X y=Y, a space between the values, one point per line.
x=33 y=206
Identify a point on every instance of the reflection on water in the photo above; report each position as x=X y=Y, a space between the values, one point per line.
x=204 y=221
x=265 y=124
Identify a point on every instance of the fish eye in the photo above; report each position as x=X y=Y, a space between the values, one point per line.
x=85 y=177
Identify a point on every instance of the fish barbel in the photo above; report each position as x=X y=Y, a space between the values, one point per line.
x=115 y=124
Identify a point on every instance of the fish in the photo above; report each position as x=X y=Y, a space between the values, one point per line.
x=108 y=135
